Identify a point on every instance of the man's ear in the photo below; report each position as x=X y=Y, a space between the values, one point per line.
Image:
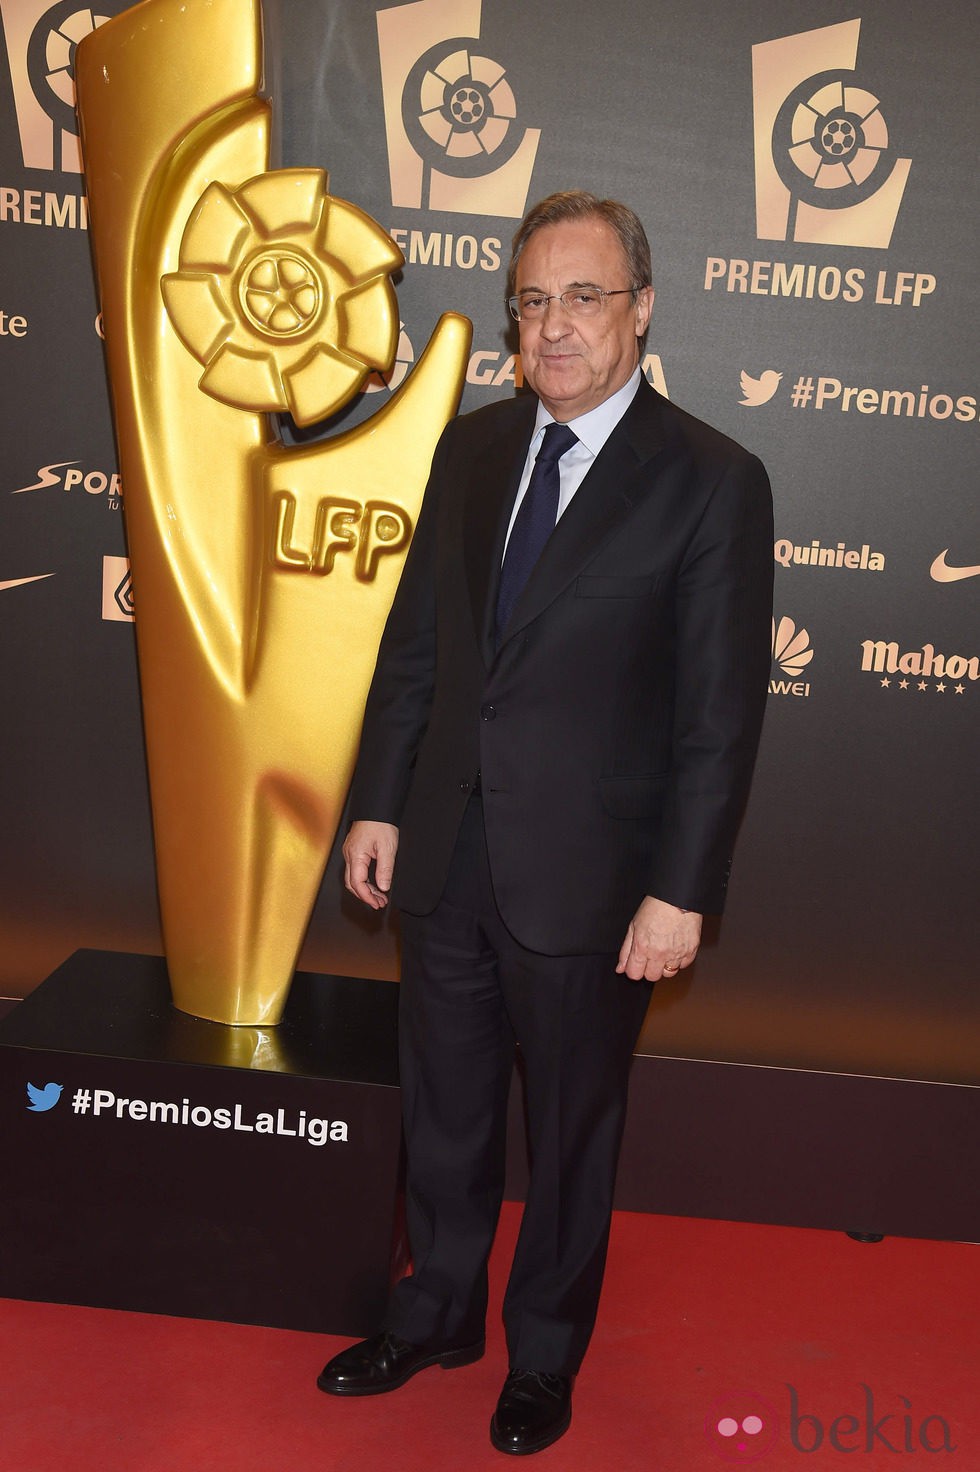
x=643 y=307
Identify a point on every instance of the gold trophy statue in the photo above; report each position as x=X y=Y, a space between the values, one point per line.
x=262 y=574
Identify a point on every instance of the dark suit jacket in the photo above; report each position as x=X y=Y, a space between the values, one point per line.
x=616 y=727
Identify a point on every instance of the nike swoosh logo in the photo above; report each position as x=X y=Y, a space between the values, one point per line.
x=941 y=572
x=19 y=582
x=45 y=478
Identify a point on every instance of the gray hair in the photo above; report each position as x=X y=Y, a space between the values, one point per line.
x=578 y=204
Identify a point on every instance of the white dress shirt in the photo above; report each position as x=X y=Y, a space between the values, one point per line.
x=592 y=430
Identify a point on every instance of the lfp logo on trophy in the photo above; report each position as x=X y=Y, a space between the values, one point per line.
x=265 y=573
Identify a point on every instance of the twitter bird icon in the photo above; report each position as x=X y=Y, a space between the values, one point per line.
x=42 y=1099
x=756 y=391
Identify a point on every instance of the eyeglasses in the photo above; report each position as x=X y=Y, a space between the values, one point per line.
x=581 y=301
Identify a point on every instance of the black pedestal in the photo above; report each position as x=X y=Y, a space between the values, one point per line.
x=189 y=1168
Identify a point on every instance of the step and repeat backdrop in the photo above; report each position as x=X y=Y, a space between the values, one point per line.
x=807 y=177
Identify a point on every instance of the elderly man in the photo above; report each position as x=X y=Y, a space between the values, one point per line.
x=557 y=746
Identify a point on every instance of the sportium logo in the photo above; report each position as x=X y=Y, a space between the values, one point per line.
x=791 y=653
x=74 y=476
x=456 y=141
x=41 y=41
x=827 y=169
x=117 y=591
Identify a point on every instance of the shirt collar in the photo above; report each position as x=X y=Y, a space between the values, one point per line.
x=594 y=428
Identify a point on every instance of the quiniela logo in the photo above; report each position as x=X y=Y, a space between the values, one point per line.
x=454 y=134
x=826 y=169
x=812 y=554
x=791 y=653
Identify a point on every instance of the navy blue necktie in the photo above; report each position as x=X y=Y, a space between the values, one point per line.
x=534 y=522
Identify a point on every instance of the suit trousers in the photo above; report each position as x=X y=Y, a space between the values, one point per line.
x=468 y=990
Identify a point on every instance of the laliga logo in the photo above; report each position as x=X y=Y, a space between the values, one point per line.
x=825 y=165
x=41 y=41
x=454 y=139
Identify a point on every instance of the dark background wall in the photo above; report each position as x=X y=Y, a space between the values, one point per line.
x=849 y=943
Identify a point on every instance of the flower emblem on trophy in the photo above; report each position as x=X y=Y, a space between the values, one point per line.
x=284 y=295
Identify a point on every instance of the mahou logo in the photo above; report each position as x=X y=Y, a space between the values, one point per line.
x=919 y=670
x=41 y=40
x=455 y=138
x=826 y=164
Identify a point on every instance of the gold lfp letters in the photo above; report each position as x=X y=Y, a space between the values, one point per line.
x=262 y=574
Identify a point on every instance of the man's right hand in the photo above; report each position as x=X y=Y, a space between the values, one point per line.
x=368 y=843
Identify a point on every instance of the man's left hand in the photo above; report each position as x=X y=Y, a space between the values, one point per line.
x=660 y=941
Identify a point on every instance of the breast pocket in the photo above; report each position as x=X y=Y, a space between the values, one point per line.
x=615 y=587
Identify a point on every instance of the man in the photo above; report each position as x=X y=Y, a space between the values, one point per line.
x=557 y=745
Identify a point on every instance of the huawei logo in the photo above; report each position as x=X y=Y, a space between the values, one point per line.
x=790 y=647
x=941 y=572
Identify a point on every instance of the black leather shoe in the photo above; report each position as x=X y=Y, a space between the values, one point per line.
x=385 y=1362
x=533 y=1411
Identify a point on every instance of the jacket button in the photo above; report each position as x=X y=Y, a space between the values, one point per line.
x=464 y=787
x=488 y=712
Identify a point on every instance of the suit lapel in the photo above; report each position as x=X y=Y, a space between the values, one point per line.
x=492 y=486
x=617 y=480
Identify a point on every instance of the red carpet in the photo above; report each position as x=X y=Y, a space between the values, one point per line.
x=847 y=1356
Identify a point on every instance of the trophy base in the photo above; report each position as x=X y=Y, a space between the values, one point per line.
x=170 y=1165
